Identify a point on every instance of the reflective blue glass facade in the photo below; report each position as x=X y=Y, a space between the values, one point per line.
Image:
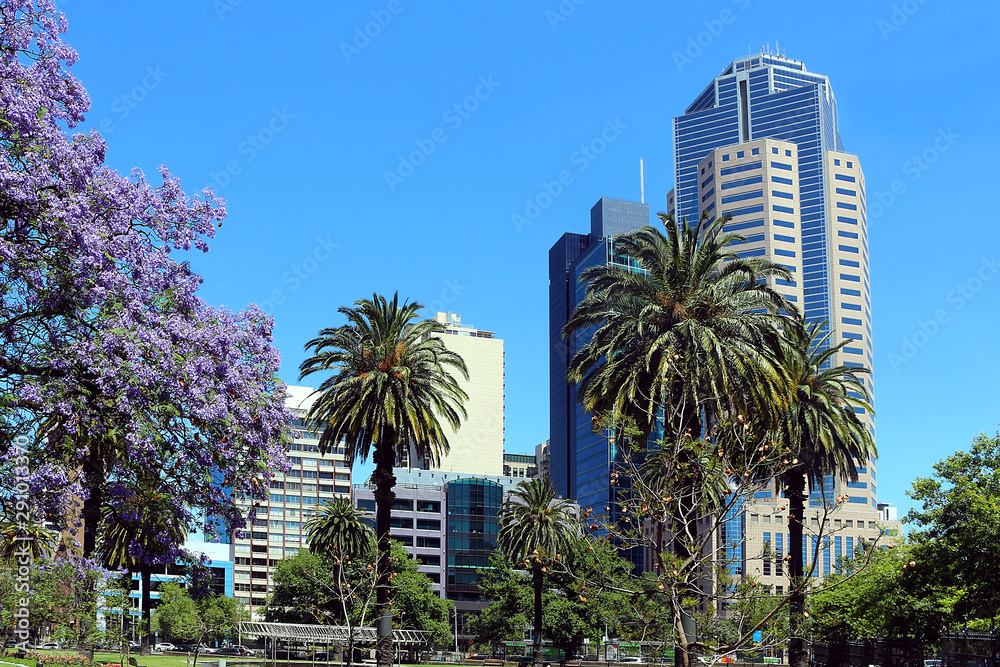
x=763 y=97
x=473 y=511
x=580 y=458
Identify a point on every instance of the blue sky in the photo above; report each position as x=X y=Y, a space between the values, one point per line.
x=355 y=163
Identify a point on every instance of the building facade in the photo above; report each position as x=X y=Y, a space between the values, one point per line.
x=524 y=466
x=580 y=458
x=476 y=448
x=277 y=531
x=761 y=143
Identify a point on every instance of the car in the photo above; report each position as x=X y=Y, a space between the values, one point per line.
x=165 y=646
x=632 y=660
x=49 y=646
x=246 y=651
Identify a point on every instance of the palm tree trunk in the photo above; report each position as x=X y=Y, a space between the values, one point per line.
x=795 y=492
x=147 y=578
x=383 y=480
x=536 y=581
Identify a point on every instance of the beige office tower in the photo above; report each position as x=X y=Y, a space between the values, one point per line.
x=758 y=183
x=476 y=448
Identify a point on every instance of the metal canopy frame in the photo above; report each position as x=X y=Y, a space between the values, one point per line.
x=327 y=634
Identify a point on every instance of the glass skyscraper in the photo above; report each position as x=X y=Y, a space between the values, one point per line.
x=761 y=143
x=581 y=459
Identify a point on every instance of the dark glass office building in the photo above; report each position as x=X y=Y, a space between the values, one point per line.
x=581 y=460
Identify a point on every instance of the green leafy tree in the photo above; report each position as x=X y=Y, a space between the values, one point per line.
x=890 y=597
x=391 y=390
x=536 y=527
x=957 y=529
x=684 y=331
x=209 y=617
x=582 y=598
x=316 y=589
x=825 y=437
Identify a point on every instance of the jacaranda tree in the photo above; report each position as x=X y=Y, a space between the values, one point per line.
x=110 y=363
x=392 y=388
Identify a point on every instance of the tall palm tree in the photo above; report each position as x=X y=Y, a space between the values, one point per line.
x=536 y=526
x=822 y=429
x=132 y=537
x=679 y=321
x=338 y=528
x=681 y=330
x=392 y=388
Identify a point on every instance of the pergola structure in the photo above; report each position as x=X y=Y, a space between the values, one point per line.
x=336 y=635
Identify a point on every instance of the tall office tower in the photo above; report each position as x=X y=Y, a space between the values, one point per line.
x=476 y=448
x=761 y=144
x=277 y=531
x=580 y=459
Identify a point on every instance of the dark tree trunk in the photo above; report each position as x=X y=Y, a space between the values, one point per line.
x=536 y=582
x=147 y=578
x=384 y=481
x=94 y=472
x=798 y=655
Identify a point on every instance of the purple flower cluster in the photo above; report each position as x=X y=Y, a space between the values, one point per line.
x=106 y=351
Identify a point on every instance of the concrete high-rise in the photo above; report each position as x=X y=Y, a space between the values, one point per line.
x=476 y=448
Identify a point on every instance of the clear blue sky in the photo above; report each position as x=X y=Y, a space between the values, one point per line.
x=297 y=116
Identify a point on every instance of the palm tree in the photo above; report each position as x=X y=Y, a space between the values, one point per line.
x=684 y=331
x=393 y=387
x=537 y=527
x=826 y=438
x=135 y=535
x=17 y=534
x=338 y=528
x=680 y=322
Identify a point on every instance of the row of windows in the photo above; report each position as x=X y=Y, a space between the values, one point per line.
x=742 y=167
x=742 y=181
x=407 y=522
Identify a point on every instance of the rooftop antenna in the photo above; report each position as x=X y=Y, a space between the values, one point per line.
x=642 y=185
x=778 y=50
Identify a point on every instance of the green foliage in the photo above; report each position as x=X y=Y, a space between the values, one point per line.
x=318 y=589
x=210 y=617
x=577 y=602
x=958 y=528
x=889 y=597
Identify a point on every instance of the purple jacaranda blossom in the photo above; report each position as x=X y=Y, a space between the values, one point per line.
x=110 y=362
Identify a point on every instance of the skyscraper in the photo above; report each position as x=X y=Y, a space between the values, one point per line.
x=761 y=144
x=579 y=458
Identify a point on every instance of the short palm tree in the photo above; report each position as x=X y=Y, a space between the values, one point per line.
x=136 y=535
x=826 y=438
x=680 y=322
x=536 y=526
x=338 y=528
x=393 y=387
